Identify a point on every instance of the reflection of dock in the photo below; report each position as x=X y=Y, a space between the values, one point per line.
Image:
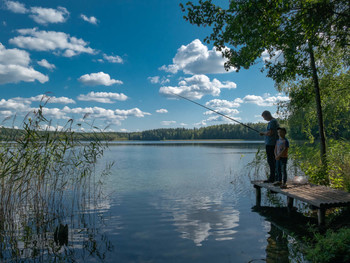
x=283 y=227
x=320 y=197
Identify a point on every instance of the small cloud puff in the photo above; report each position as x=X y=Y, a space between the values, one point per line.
x=266 y=100
x=167 y=123
x=113 y=59
x=44 y=63
x=91 y=19
x=16 y=7
x=99 y=78
x=216 y=103
x=102 y=97
x=162 y=111
x=157 y=79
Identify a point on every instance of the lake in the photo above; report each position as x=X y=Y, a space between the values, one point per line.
x=185 y=202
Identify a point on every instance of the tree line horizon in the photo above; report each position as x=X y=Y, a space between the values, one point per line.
x=213 y=132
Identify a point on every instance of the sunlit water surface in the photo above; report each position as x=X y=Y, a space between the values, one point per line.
x=185 y=202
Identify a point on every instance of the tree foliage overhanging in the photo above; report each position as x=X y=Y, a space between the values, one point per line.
x=286 y=33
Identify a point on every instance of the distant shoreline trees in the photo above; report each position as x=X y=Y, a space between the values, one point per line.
x=215 y=132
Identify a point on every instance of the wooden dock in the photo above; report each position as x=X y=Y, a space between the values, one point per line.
x=320 y=197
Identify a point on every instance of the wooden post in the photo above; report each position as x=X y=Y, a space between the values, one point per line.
x=258 y=195
x=321 y=213
x=290 y=201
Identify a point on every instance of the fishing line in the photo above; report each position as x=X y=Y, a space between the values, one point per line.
x=215 y=111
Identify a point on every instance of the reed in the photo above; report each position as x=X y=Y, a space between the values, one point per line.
x=48 y=185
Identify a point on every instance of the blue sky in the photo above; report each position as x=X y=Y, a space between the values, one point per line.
x=116 y=62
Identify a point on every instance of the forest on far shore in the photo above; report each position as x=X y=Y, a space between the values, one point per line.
x=215 y=132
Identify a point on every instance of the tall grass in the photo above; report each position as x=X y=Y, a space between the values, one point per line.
x=337 y=171
x=47 y=184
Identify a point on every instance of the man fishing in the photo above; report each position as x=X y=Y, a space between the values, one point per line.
x=271 y=137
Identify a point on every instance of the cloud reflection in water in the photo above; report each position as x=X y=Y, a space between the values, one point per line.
x=198 y=219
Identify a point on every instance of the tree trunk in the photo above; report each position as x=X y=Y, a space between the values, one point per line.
x=318 y=104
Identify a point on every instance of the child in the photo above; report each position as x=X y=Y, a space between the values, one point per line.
x=281 y=155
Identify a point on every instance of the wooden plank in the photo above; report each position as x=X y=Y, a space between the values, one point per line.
x=301 y=197
x=316 y=195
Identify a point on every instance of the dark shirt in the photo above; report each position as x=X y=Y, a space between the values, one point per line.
x=272 y=125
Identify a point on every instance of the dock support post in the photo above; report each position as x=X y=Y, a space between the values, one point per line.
x=321 y=213
x=257 y=195
x=290 y=201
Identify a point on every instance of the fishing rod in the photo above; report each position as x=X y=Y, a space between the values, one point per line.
x=245 y=125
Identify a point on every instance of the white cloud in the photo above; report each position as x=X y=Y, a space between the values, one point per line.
x=167 y=123
x=45 y=16
x=225 y=107
x=195 y=58
x=99 y=78
x=216 y=103
x=266 y=101
x=102 y=97
x=113 y=59
x=5 y=114
x=91 y=19
x=61 y=43
x=154 y=80
x=162 y=111
x=197 y=86
x=44 y=63
x=11 y=104
x=136 y=112
x=46 y=127
x=40 y=15
x=13 y=56
x=55 y=113
x=157 y=79
x=45 y=99
x=23 y=105
x=49 y=99
x=201 y=123
x=16 y=7
x=14 y=67
x=110 y=116
x=272 y=56
x=226 y=111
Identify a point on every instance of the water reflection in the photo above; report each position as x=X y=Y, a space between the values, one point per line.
x=198 y=219
x=286 y=230
x=277 y=246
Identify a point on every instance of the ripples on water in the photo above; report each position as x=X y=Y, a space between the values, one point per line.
x=187 y=202
x=177 y=202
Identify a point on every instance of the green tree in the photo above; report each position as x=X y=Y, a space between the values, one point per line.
x=288 y=32
x=334 y=79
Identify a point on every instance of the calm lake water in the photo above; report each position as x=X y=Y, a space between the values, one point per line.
x=185 y=202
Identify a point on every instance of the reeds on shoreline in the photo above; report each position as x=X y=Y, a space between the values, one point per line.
x=47 y=180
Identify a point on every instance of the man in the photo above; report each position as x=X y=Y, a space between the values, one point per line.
x=271 y=137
